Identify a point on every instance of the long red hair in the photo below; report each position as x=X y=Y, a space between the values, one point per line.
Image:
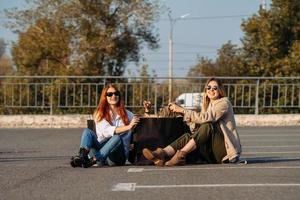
x=102 y=110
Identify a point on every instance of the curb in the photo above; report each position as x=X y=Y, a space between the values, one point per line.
x=80 y=121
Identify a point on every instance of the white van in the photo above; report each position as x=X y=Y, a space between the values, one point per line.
x=190 y=100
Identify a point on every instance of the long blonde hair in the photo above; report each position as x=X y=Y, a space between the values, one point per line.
x=206 y=100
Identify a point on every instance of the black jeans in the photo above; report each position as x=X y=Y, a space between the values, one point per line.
x=209 y=141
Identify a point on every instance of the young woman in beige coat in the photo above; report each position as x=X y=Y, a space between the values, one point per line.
x=213 y=136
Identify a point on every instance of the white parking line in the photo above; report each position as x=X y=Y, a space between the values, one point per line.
x=277 y=130
x=124 y=187
x=133 y=186
x=271 y=152
x=272 y=140
x=270 y=135
x=295 y=146
x=140 y=169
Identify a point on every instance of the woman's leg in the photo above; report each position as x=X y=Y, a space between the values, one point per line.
x=187 y=143
x=190 y=146
x=117 y=156
x=203 y=140
x=210 y=142
x=218 y=144
x=110 y=146
x=184 y=145
x=89 y=140
x=159 y=156
x=182 y=141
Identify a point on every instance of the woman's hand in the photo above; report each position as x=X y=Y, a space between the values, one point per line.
x=147 y=106
x=135 y=120
x=175 y=108
x=122 y=129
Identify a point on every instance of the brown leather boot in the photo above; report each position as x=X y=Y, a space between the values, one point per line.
x=158 y=157
x=178 y=159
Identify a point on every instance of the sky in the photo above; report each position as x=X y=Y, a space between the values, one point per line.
x=209 y=25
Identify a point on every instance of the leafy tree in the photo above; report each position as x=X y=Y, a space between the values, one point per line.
x=270 y=46
x=271 y=41
x=2 y=47
x=43 y=49
x=5 y=65
x=86 y=37
x=228 y=63
x=142 y=88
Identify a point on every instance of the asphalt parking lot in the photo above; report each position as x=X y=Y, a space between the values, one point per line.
x=34 y=164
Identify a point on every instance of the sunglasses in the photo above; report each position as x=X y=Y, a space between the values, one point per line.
x=212 y=88
x=110 y=94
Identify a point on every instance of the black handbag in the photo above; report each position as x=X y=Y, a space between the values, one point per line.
x=156 y=132
x=91 y=125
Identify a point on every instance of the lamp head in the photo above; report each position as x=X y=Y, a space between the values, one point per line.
x=184 y=16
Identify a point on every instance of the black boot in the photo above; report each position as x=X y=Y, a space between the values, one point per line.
x=72 y=163
x=88 y=163
x=81 y=160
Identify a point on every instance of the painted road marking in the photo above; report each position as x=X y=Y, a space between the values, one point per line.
x=140 y=169
x=271 y=140
x=130 y=187
x=271 y=152
x=277 y=130
x=270 y=135
x=295 y=146
x=134 y=170
x=124 y=187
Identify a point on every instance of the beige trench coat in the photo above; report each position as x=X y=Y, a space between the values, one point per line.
x=220 y=110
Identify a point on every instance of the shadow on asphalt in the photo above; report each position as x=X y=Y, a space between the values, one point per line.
x=255 y=160
x=16 y=159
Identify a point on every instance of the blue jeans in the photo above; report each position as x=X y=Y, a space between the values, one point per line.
x=112 y=148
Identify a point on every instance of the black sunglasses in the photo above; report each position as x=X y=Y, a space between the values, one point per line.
x=212 y=88
x=110 y=94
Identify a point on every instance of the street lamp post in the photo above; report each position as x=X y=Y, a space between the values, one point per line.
x=172 y=23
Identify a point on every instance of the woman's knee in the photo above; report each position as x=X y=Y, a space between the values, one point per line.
x=86 y=132
x=203 y=133
x=206 y=127
x=115 y=139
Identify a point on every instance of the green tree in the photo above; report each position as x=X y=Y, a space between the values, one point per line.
x=5 y=65
x=271 y=41
x=43 y=49
x=2 y=47
x=270 y=46
x=143 y=88
x=228 y=63
x=98 y=37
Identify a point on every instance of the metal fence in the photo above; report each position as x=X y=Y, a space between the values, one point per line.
x=80 y=94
